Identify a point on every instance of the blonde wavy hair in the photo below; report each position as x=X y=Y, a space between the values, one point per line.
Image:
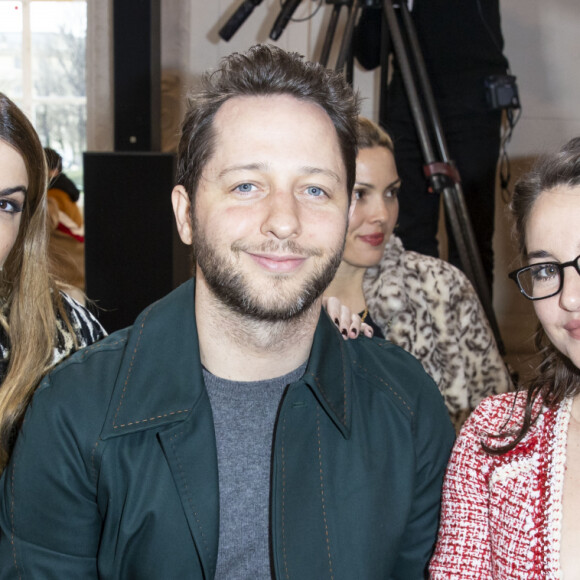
x=370 y=135
x=29 y=298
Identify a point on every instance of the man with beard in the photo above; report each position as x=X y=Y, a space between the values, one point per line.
x=231 y=432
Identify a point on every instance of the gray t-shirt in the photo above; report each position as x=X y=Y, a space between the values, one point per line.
x=244 y=416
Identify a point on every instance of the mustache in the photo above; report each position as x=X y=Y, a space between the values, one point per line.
x=275 y=247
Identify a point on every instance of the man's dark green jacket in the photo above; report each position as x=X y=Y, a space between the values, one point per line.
x=114 y=474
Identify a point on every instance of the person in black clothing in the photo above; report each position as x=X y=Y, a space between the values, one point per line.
x=66 y=226
x=462 y=44
x=58 y=179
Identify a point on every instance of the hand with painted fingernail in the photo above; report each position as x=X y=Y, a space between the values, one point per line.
x=350 y=324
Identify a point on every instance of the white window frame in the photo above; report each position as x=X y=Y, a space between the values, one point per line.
x=27 y=101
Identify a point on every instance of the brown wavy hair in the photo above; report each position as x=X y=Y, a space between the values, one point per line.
x=264 y=70
x=556 y=377
x=29 y=299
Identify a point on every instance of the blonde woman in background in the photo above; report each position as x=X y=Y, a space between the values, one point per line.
x=421 y=303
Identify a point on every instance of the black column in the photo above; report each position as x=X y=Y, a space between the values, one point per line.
x=137 y=76
x=132 y=253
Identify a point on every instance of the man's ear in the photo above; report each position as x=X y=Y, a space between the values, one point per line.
x=182 y=211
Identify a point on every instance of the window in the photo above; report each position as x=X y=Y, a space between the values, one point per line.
x=42 y=67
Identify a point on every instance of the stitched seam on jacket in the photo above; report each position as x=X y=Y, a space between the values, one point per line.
x=190 y=500
x=283 y=453
x=383 y=382
x=130 y=367
x=322 y=491
x=99 y=345
x=138 y=422
x=146 y=420
x=328 y=402
x=93 y=466
x=343 y=386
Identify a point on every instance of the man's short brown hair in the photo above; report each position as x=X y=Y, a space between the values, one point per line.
x=262 y=71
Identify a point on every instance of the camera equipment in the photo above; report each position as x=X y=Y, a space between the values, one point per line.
x=238 y=18
x=288 y=8
x=502 y=92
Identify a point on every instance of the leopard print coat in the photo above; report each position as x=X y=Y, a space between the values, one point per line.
x=429 y=308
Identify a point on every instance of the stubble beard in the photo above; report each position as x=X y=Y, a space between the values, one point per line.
x=229 y=284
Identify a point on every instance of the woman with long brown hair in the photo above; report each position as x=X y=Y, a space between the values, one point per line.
x=511 y=507
x=39 y=325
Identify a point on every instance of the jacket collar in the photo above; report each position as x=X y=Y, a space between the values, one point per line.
x=329 y=373
x=160 y=378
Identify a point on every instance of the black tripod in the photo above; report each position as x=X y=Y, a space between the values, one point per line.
x=439 y=168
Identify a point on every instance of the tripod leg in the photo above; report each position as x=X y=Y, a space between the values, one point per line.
x=345 y=47
x=385 y=61
x=472 y=256
x=453 y=198
x=466 y=232
x=450 y=201
x=330 y=32
x=409 y=82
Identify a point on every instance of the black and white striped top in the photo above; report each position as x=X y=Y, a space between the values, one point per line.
x=87 y=330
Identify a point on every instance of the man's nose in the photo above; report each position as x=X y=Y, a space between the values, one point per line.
x=282 y=215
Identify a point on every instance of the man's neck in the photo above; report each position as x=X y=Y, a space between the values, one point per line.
x=239 y=348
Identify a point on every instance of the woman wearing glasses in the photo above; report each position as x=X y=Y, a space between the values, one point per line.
x=511 y=499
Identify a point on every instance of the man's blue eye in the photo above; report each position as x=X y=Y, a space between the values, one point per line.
x=315 y=191
x=245 y=187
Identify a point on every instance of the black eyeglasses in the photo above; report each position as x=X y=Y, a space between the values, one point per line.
x=543 y=280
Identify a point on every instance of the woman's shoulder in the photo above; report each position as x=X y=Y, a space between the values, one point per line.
x=499 y=418
x=497 y=408
x=422 y=277
x=85 y=327
x=436 y=268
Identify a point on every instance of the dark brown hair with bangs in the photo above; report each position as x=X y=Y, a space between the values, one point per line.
x=556 y=377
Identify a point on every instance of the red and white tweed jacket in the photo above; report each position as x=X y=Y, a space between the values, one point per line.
x=501 y=515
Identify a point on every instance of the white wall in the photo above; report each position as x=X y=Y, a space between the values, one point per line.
x=543 y=44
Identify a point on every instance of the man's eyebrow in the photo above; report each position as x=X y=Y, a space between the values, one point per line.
x=320 y=171
x=244 y=167
x=11 y=190
x=264 y=167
